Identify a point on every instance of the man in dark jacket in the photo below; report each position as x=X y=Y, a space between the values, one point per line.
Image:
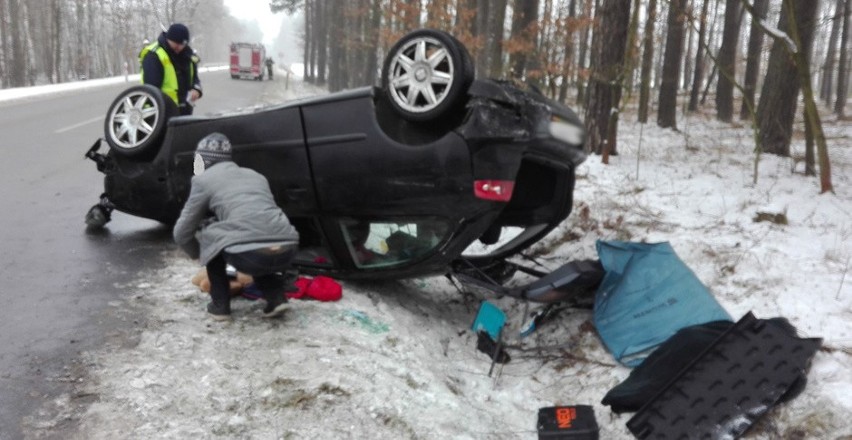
x=231 y=217
x=171 y=65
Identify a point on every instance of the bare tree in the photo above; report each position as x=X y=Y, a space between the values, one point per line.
x=826 y=91
x=495 y=43
x=483 y=17
x=584 y=47
x=336 y=49
x=320 y=28
x=55 y=38
x=843 y=65
x=18 y=63
x=777 y=105
x=726 y=62
x=608 y=47
x=755 y=44
x=698 y=73
x=647 y=61
x=568 y=59
x=631 y=55
x=802 y=38
x=689 y=17
x=5 y=49
x=524 y=18
x=667 y=112
x=373 y=37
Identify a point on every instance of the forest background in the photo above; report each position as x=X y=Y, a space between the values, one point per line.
x=748 y=62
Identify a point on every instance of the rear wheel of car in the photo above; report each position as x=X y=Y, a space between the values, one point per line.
x=136 y=120
x=426 y=74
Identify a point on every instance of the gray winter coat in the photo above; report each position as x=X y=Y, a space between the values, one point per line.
x=230 y=205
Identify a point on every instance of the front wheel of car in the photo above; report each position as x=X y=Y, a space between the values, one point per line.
x=136 y=120
x=426 y=74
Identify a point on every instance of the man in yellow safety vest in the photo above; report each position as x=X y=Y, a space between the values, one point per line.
x=172 y=66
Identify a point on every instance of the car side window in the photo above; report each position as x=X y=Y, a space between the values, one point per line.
x=382 y=243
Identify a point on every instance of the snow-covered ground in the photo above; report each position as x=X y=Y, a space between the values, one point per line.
x=23 y=93
x=397 y=359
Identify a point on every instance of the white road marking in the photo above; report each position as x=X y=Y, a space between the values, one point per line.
x=86 y=122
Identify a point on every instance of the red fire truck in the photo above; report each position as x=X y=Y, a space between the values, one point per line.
x=247 y=60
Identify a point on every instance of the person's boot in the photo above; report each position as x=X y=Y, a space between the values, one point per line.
x=276 y=304
x=98 y=216
x=220 y=305
x=219 y=312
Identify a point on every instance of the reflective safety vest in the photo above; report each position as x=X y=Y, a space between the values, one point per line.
x=170 y=83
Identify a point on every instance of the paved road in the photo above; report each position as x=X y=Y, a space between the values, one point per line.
x=56 y=279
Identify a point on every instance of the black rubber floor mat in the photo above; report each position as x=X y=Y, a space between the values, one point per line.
x=730 y=385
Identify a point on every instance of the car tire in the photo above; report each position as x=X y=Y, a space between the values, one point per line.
x=426 y=75
x=136 y=121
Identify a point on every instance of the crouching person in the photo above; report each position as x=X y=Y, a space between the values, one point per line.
x=231 y=217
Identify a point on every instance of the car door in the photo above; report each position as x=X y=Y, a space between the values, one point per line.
x=272 y=143
x=269 y=141
x=358 y=170
x=364 y=177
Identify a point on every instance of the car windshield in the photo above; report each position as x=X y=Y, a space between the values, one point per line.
x=382 y=243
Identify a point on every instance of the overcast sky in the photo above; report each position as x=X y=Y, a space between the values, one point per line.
x=270 y=25
x=257 y=10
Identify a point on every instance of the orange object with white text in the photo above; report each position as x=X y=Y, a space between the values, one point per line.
x=575 y=422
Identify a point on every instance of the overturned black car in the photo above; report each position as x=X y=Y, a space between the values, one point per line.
x=433 y=171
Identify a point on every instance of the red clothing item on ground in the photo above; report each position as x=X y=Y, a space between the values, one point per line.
x=320 y=288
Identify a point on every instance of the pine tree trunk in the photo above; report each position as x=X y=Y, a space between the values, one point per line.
x=810 y=161
x=18 y=64
x=825 y=92
x=608 y=47
x=569 y=51
x=483 y=14
x=726 y=61
x=631 y=55
x=843 y=65
x=321 y=26
x=310 y=41
x=495 y=56
x=647 y=62
x=373 y=45
x=801 y=21
x=755 y=45
x=667 y=112
x=524 y=15
x=4 y=48
x=776 y=108
x=686 y=71
x=698 y=73
x=581 y=60
x=57 y=43
x=335 y=59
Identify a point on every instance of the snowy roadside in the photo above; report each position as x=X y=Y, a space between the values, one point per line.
x=397 y=359
x=18 y=94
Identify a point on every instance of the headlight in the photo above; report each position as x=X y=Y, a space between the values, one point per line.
x=566 y=131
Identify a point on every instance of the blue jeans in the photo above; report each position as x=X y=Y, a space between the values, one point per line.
x=263 y=265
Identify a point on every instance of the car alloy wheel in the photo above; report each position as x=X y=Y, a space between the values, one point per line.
x=136 y=120
x=426 y=73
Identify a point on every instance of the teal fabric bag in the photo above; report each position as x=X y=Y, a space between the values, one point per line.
x=646 y=296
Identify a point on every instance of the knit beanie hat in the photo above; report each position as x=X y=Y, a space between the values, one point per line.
x=178 y=33
x=214 y=148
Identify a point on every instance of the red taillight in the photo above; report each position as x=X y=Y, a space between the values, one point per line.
x=498 y=190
